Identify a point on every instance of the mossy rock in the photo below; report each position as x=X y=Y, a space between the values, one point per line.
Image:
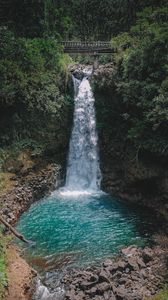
x=7 y=181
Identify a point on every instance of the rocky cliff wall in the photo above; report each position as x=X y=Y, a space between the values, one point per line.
x=136 y=175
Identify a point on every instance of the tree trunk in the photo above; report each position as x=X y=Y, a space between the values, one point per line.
x=13 y=230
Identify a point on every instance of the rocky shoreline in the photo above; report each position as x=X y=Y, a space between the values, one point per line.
x=135 y=275
x=27 y=190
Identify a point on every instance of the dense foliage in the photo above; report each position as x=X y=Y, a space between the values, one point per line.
x=143 y=79
x=81 y=19
x=32 y=67
x=140 y=83
x=33 y=97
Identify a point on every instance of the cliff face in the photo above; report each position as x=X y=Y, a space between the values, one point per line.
x=28 y=189
x=138 y=182
x=133 y=173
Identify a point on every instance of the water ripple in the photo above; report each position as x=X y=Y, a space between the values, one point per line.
x=92 y=227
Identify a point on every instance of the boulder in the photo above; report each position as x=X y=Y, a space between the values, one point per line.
x=147 y=255
x=103 y=276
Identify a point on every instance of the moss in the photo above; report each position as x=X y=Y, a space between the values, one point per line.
x=3 y=275
x=161 y=296
x=6 y=182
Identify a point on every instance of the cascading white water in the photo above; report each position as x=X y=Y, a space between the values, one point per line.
x=83 y=171
x=43 y=293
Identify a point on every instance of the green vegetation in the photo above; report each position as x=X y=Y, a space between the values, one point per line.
x=138 y=87
x=36 y=105
x=80 y=19
x=33 y=99
x=143 y=79
x=161 y=296
x=3 y=276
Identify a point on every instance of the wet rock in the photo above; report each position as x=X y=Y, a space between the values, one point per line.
x=118 y=274
x=6 y=211
x=129 y=251
x=86 y=285
x=103 y=287
x=114 y=267
x=29 y=189
x=103 y=276
x=108 y=295
x=147 y=255
x=120 y=291
x=77 y=70
x=80 y=295
x=71 y=295
x=126 y=278
x=122 y=265
x=92 y=292
x=132 y=264
x=140 y=262
x=107 y=263
x=128 y=283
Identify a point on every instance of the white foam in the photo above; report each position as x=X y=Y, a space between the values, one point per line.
x=75 y=193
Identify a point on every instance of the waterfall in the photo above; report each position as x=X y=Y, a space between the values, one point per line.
x=83 y=171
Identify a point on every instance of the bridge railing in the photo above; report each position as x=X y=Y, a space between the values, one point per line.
x=72 y=44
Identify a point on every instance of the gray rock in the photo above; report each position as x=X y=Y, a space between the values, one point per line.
x=132 y=263
x=147 y=255
x=103 y=276
x=107 y=263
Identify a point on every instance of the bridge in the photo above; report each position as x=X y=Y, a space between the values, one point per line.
x=95 y=48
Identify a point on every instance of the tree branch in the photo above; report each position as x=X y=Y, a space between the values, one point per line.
x=13 y=230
